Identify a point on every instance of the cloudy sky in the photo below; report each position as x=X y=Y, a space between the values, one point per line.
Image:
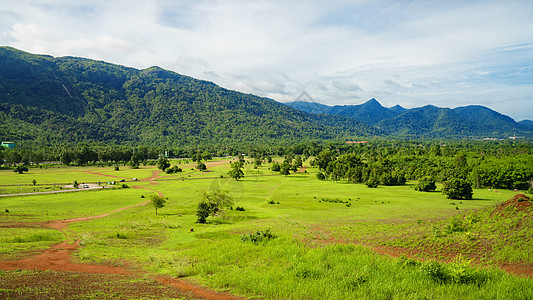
x=446 y=53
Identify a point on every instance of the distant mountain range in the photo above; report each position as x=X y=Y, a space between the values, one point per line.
x=46 y=100
x=429 y=121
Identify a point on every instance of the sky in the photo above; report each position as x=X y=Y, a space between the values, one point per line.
x=445 y=53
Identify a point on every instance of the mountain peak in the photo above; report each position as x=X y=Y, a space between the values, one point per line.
x=372 y=102
x=398 y=108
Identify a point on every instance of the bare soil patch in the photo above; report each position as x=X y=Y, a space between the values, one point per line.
x=75 y=285
x=519 y=202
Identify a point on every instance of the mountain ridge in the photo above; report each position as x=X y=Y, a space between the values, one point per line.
x=471 y=120
x=54 y=100
x=88 y=100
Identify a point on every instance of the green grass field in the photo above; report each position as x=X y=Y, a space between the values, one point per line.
x=324 y=234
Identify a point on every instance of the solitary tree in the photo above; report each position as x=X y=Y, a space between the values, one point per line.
x=20 y=169
x=201 y=166
x=236 y=171
x=298 y=161
x=426 y=184
x=457 y=188
x=162 y=164
x=157 y=201
x=212 y=203
x=285 y=168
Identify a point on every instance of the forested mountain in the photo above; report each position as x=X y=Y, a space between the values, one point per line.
x=527 y=124
x=47 y=100
x=472 y=121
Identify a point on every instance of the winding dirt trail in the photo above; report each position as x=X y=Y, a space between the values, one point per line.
x=59 y=256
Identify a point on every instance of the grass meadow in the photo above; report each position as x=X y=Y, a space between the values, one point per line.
x=297 y=238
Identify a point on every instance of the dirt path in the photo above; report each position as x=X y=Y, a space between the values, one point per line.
x=102 y=174
x=52 y=192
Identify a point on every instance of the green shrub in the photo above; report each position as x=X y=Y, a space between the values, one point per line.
x=456 y=225
x=372 y=183
x=258 y=236
x=458 y=272
x=426 y=184
x=405 y=261
x=212 y=203
x=239 y=208
x=457 y=188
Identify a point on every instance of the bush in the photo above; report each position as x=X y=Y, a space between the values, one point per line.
x=20 y=169
x=320 y=176
x=372 y=183
x=258 y=236
x=458 y=272
x=239 y=208
x=456 y=225
x=275 y=167
x=201 y=166
x=174 y=169
x=426 y=184
x=211 y=204
x=457 y=188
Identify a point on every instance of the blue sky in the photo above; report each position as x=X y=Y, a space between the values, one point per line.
x=412 y=53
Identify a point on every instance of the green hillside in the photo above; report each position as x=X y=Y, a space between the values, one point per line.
x=47 y=100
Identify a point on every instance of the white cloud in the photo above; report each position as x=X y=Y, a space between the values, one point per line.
x=341 y=52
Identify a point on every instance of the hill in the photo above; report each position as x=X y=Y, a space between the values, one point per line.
x=47 y=100
x=528 y=124
x=472 y=121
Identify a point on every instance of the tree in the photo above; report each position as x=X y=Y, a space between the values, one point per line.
x=285 y=168
x=457 y=188
x=20 y=169
x=323 y=159
x=207 y=156
x=157 y=202
x=201 y=166
x=298 y=161
x=236 y=171
x=174 y=169
x=162 y=164
x=257 y=162
x=275 y=167
x=426 y=184
x=212 y=203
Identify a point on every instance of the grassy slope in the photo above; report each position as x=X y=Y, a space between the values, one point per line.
x=297 y=264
